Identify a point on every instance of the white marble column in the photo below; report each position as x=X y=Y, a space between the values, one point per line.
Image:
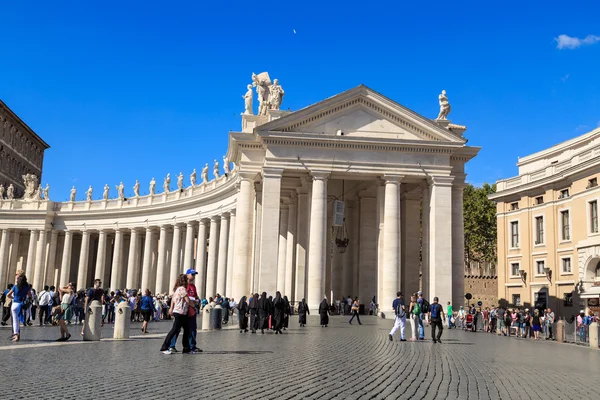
x=230 y=249
x=257 y=234
x=201 y=257
x=269 y=241
x=380 y=239
x=154 y=264
x=65 y=268
x=51 y=266
x=213 y=256
x=4 y=258
x=131 y=267
x=317 y=240
x=83 y=261
x=348 y=256
x=440 y=236
x=40 y=258
x=301 y=244
x=29 y=267
x=425 y=212
x=188 y=259
x=291 y=246
x=117 y=262
x=458 y=243
x=147 y=262
x=410 y=222
x=175 y=253
x=161 y=276
x=391 y=244
x=243 y=237
x=282 y=256
x=101 y=256
x=222 y=261
x=367 y=262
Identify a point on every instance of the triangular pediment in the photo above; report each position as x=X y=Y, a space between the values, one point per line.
x=362 y=112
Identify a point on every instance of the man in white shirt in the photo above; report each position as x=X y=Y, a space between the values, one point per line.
x=44 y=306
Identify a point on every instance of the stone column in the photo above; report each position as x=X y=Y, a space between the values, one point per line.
x=175 y=253
x=117 y=262
x=458 y=243
x=147 y=262
x=257 y=233
x=101 y=255
x=243 y=237
x=269 y=241
x=13 y=255
x=213 y=248
x=161 y=276
x=4 y=258
x=230 y=248
x=391 y=244
x=131 y=267
x=65 y=268
x=410 y=251
x=51 y=263
x=317 y=240
x=188 y=259
x=347 y=264
x=440 y=236
x=301 y=244
x=367 y=262
x=282 y=256
x=201 y=257
x=33 y=237
x=425 y=210
x=83 y=261
x=40 y=258
x=380 y=239
x=289 y=253
x=222 y=260
x=154 y=264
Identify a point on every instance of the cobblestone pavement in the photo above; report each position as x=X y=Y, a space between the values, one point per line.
x=341 y=362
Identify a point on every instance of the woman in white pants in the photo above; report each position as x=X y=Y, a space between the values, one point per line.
x=414 y=318
x=19 y=292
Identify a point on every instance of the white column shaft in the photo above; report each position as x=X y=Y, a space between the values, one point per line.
x=4 y=258
x=51 y=266
x=282 y=256
x=269 y=241
x=147 y=262
x=222 y=262
x=458 y=246
x=40 y=258
x=201 y=258
x=301 y=245
x=83 y=261
x=29 y=268
x=243 y=239
x=101 y=256
x=230 y=249
x=175 y=253
x=425 y=239
x=391 y=246
x=317 y=242
x=65 y=268
x=117 y=262
x=131 y=268
x=188 y=259
x=440 y=236
x=213 y=257
x=289 y=253
x=161 y=276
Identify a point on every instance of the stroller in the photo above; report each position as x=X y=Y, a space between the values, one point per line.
x=469 y=319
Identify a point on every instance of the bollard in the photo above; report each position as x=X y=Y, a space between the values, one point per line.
x=206 y=317
x=93 y=319
x=216 y=318
x=593 y=335
x=560 y=331
x=122 y=320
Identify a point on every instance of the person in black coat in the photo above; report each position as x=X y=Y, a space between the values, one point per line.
x=225 y=311
x=302 y=311
x=253 y=307
x=278 y=313
x=324 y=313
x=243 y=315
x=264 y=306
x=286 y=313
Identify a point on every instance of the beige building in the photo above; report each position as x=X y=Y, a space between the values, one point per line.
x=548 y=236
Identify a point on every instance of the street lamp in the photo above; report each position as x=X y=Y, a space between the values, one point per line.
x=523 y=275
x=548 y=273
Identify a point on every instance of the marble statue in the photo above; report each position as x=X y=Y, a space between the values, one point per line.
x=248 y=101
x=193 y=178
x=10 y=192
x=136 y=188
x=226 y=165
x=38 y=193
x=47 y=192
x=1 y=191
x=121 y=191
x=444 y=106
x=73 y=194
x=152 y=187
x=275 y=95
x=31 y=184
x=205 y=174
x=180 y=181
x=216 y=169
x=106 y=190
x=262 y=82
x=167 y=184
x=88 y=194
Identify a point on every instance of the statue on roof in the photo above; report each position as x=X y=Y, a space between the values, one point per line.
x=105 y=193
x=275 y=95
x=262 y=82
x=88 y=193
x=152 y=187
x=216 y=169
x=167 y=183
x=193 y=178
x=73 y=194
x=10 y=192
x=47 y=192
x=205 y=174
x=444 y=106
x=31 y=185
x=136 y=188
x=248 y=101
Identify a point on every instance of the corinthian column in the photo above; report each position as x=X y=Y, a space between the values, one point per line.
x=51 y=266
x=188 y=259
x=65 y=268
x=131 y=280
x=201 y=257
x=4 y=257
x=161 y=276
x=289 y=253
x=33 y=237
x=40 y=258
x=117 y=262
x=391 y=243
x=230 y=241
x=458 y=242
x=269 y=241
x=222 y=263
x=243 y=237
x=147 y=262
x=175 y=253
x=213 y=246
x=282 y=256
x=83 y=260
x=101 y=257
x=316 y=247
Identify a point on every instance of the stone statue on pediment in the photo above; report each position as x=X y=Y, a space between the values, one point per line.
x=120 y=191
x=10 y=192
x=262 y=82
x=88 y=193
x=31 y=183
x=38 y=193
x=180 y=181
x=152 y=187
x=248 y=100
x=136 y=188
x=444 y=106
x=216 y=169
x=205 y=174
x=167 y=184
x=73 y=194
x=1 y=191
x=275 y=95
x=47 y=192
x=105 y=193
x=193 y=178
x=226 y=165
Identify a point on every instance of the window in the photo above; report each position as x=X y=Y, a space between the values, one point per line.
x=592 y=183
x=514 y=269
x=539 y=200
x=594 y=216
x=514 y=206
x=564 y=194
x=516 y=299
x=540 y=268
x=514 y=234
x=566 y=265
x=564 y=222
x=539 y=230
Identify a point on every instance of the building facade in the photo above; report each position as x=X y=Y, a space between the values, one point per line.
x=21 y=151
x=268 y=223
x=548 y=238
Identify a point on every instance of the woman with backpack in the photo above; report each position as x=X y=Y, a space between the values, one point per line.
x=414 y=309
x=19 y=293
x=64 y=311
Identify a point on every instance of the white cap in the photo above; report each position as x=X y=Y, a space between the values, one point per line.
x=419 y=292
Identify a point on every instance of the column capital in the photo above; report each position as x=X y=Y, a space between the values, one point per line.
x=190 y=223
x=392 y=178
x=271 y=172
x=232 y=212
x=225 y=215
x=247 y=176
x=320 y=175
x=435 y=180
x=215 y=218
x=203 y=221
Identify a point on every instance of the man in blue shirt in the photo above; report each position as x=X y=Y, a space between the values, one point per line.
x=420 y=300
x=400 y=317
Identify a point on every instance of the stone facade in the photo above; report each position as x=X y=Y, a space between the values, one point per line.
x=21 y=151
x=268 y=224
x=482 y=282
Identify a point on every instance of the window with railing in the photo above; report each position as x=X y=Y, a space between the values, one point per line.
x=539 y=230
x=514 y=234
x=594 y=216
x=565 y=225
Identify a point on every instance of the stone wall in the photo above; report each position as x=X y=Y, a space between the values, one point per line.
x=483 y=288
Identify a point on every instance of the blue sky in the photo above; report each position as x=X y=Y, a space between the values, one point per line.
x=135 y=90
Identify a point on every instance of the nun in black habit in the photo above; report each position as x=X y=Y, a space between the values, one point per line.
x=302 y=311
x=278 y=313
x=324 y=313
x=286 y=313
x=263 y=312
x=253 y=306
x=243 y=315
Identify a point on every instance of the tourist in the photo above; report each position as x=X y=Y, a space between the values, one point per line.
x=96 y=293
x=507 y=322
x=137 y=310
x=355 y=308
x=302 y=311
x=349 y=302
x=486 y=319
x=278 y=313
x=253 y=307
x=414 y=310
x=34 y=307
x=399 y=317
x=44 y=308
x=54 y=301
x=324 y=312
x=436 y=315
x=6 y=303
x=548 y=321
x=64 y=311
x=19 y=293
x=500 y=312
x=242 y=308
x=536 y=324
x=580 y=325
x=424 y=306
x=286 y=315
x=192 y=294
x=225 y=310
x=109 y=307
x=180 y=304
x=79 y=304
x=263 y=312
x=461 y=317
x=450 y=314
x=147 y=307
x=493 y=320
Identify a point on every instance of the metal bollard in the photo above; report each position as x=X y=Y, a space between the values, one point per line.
x=593 y=335
x=206 y=317
x=216 y=318
x=560 y=331
x=93 y=319
x=122 y=321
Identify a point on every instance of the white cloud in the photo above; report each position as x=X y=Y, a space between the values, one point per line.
x=568 y=42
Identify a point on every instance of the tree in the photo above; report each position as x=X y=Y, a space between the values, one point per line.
x=480 y=224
